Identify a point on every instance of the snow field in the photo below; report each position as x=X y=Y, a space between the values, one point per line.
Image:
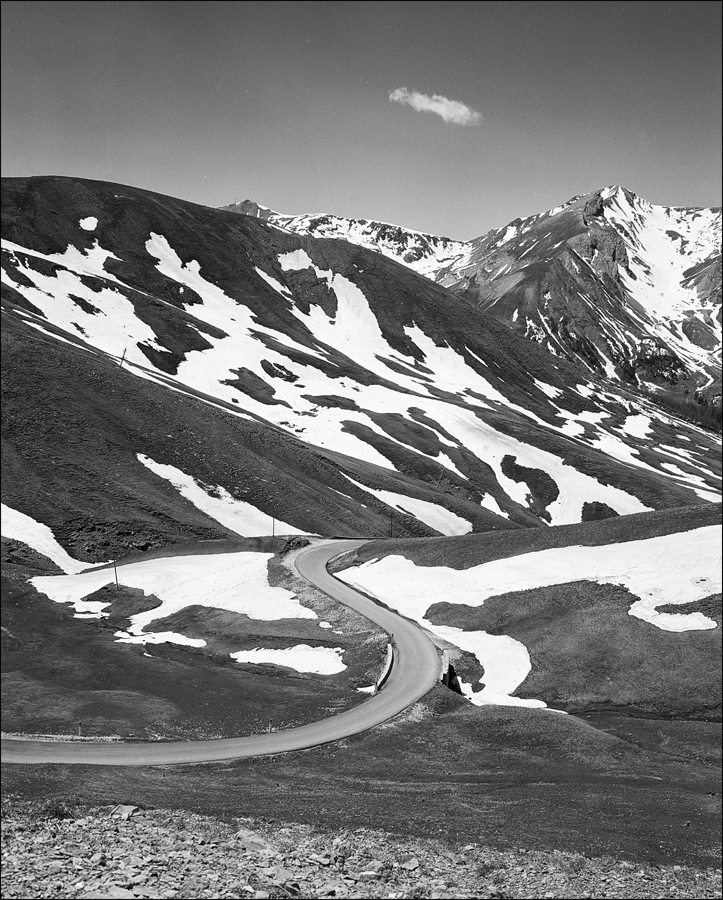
x=236 y=582
x=206 y=370
x=638 y=426
x=85 y=262
x=354 y=330
x=671 y=569
x=506 y=661
x=436 y=250
x=492 y=446
x=113 y=326
x=698 y=484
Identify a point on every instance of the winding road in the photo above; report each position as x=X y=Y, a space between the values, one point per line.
x=415 y=670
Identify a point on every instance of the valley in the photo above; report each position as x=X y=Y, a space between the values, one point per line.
x=196 y=400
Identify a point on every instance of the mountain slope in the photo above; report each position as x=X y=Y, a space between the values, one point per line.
x=630 y=290
x=601 y=615
x=314 y=381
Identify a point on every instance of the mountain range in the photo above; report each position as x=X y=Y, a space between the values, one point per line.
x=174 y=371
x=625 y=288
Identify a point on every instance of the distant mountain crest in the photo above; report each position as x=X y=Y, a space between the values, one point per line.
x=423 y=253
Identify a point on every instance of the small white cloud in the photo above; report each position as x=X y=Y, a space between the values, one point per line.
x=450 y=110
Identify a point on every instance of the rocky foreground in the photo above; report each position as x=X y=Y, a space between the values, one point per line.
x=55 y=850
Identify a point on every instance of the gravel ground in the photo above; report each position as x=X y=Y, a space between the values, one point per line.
x=54 y=850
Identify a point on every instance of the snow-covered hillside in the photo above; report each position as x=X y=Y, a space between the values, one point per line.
x=675 y=569
x=573 y=617
x=372 y=408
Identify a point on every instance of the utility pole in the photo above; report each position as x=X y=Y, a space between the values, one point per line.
x=391 y=522
x=115 y=570
x=273 y=527
x=124 y=356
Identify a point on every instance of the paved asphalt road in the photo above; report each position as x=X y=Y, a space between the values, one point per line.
x=415 y=670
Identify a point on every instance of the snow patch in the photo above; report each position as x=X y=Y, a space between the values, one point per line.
x=111 y=326
x=489 y=502
x=237 y=515
x=432 y=514
x=276 y=285
x=302 y=657
x=548 y=389
x=637 y=426
x=158 y=637
x=19 y=527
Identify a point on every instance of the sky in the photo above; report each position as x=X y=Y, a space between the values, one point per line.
x=449 y=118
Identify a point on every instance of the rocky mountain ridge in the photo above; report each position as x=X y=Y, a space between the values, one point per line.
x=424 y=253
x=630 y=289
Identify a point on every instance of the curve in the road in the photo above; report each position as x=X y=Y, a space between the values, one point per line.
x=415 y=671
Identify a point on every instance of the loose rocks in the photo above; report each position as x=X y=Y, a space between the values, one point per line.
x=125 y=852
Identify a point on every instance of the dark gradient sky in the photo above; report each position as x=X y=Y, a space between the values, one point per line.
x=287 y=103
